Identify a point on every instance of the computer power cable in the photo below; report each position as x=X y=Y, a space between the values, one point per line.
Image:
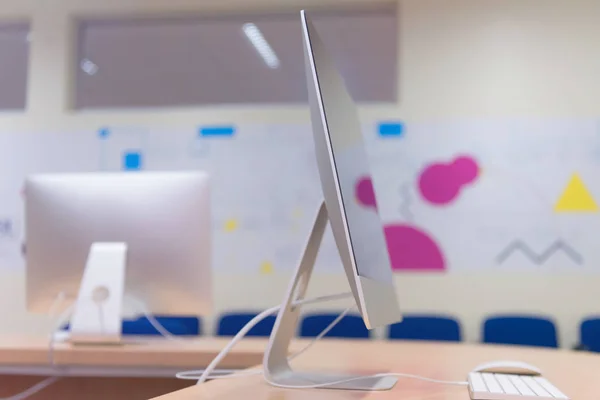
x=141 y=306
x=195 y=375
x=33 y=389
x=231 y=373
x=358 y=378
x=242 y=332
x=206 y=373
x=59 y=321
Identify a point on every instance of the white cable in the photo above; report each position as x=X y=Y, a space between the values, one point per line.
x=168 y=335
x=64 y=316
x=153 y=321
x=195 y=375
x=219 y=373
x=323 y=333
x=213 y=364
x=238 y=336
x=61 y=320
x=358 y=378
x=33 y=389
x=206 y=374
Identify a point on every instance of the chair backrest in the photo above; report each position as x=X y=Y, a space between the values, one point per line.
x=230 y=324
x=520 y=330
x=590 y=334
x=351 y=326
x=426 y=327
x=179 y=326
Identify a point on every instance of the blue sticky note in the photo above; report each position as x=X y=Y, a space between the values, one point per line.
x=103 y=133
x=391 y=129
x=132 y=161
x=221 y=131
x=5 y=227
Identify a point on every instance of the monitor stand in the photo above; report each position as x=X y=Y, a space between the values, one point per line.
x=276 y=366
x=97 y=313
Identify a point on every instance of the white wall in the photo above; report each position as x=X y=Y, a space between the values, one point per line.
x=499 y=57
x=458 y=58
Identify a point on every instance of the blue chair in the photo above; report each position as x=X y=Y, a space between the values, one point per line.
x=590 y=334
x=423 y=327
x=179 y=326
x=231 y=323
x=350 y=327
x=520 y=330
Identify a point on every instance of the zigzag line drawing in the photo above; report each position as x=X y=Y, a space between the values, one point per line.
x=541 y=258
x=406 y=202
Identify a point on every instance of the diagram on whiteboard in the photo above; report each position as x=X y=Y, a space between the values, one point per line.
x=452 y=196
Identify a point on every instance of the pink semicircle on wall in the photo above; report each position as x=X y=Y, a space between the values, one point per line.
x=411 y=249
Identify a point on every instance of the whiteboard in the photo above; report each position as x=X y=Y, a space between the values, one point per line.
x=461 y=195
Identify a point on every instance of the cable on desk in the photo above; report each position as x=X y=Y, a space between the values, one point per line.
x=33 y=389
x=153 y=321
x=213 y=364
x=218 y=374
x=196 y=374
x=358 y=378
x=62 y=318
x=206 y=373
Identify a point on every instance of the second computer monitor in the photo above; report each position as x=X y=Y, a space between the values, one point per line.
x=163 y=218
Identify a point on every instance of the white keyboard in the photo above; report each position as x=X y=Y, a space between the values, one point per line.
x=488 y=386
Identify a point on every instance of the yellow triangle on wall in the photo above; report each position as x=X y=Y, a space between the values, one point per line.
x=576 y=198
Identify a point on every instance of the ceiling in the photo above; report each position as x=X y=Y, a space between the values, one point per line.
x=175 y=62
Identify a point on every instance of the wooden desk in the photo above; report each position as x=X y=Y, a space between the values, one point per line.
x=576 y=374
x=138 y=370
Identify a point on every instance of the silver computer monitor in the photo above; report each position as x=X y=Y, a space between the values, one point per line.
x=162 y=218
x=358 y=232
x=342 y=159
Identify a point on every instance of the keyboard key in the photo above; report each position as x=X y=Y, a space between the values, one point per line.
x=506 y=384
x=497 y=386
x=520 y=385
x=550 y=388
x=491 y=383
x=533 y=385
x=477 y=384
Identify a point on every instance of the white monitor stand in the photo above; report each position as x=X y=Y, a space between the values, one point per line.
x=275 y=363
x=97 y=314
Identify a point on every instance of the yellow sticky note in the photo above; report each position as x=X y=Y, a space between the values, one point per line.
x=230 y=225
x=266 y=268
x=576 y=198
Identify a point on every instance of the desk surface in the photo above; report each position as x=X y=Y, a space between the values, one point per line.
x=576 y=374
x=140 y=370
x=137 y=352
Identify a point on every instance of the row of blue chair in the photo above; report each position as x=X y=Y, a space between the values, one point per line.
x=513 y=330
x=516 y=330
x=178 y=326
x=351 y=327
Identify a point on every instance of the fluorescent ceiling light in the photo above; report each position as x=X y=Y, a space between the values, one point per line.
x=88 y=67
x=261 y=45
